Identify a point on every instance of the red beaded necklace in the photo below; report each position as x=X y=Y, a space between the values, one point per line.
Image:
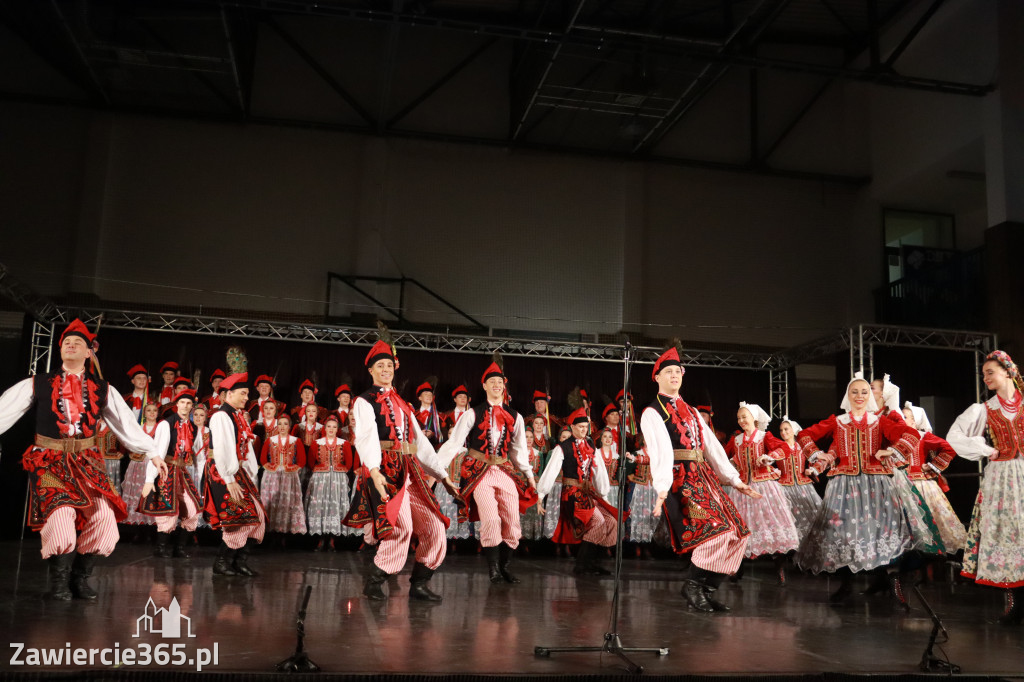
x=1011 y=405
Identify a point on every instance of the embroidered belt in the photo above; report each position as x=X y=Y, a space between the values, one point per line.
x=66 y=445
x=398 y=446
x=688 y=455
x=576 y=483
x=136 y=457
x=476 y=454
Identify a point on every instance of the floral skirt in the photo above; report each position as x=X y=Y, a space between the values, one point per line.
x=641 y=521
x=281 y=493
x=861 y=526
x=805 y=503
x=771 y=524
x=327 y=503
x=131 y=493
x=532 y=524
x=456 y=531
x=113 y=467
x=951 y=530
x=926 y=533
x=552 y=505
x=995 y=539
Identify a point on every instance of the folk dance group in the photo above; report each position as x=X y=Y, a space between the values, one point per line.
x=883 y=507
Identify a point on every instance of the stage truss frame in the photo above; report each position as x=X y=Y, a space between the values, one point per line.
x=860 y=341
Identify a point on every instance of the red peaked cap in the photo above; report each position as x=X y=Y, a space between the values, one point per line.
x=169 y=367
x=78 y=328
x=706 y=408
x=461 y=388
x=667 y=359
x=344 y=388
x=380 y=351
x=618 y=396
x=492 y=371
x=578 y=417
x=307 y=384
x=610 y=407
x=235 y=381
x=137 y=369
x=217 y=374
x=185 y=393
x=264 y=379
x=425 y=386
x=541 y=395
x=180 y=381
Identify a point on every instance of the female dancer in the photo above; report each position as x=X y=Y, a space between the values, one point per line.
x=861 y=525
x=995 y=551
x=135 y=475
x=553 y=504
x=308 y=431
x=609 y=451
x=327 y=499
x=641 y=519
x=925 y=472
x=282 y=457
x=772 y=527
x=531 y=522
x=797 y=486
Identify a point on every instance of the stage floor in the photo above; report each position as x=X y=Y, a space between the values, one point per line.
x=484 y=628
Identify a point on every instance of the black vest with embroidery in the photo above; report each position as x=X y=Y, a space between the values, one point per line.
x=570 y=465
x=479 y=437
x=173 y=450
x=688 y=437
x=385 y=430
x=50 y=410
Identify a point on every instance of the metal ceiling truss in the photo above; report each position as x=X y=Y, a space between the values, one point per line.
x=858 y=340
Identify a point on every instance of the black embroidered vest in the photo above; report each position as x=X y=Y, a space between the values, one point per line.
x=479 y=437
x=50 y=409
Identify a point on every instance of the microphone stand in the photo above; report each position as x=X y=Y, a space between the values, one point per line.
x=931 y=663
x=299 y=662
x=612 y=641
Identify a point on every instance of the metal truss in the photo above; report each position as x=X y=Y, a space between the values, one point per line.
x=19 y=293
x=41 y=347
x=859 y=341
x=778 y=392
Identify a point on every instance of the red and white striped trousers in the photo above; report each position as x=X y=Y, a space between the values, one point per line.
x=235 y=539
x=722 y=553
x=166 y=524
x=600 y=530
x=497 y=502
x=414 y=518
x=98 y=536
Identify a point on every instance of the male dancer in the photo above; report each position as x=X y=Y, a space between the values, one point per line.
x=396 y=499
x=496 y=480
x=687 y=463
x=71 y=501
x=233 y=503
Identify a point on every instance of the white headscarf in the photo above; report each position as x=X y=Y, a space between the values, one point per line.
x=761 y=418
x=890 y=394
x=845 y=405
x=792 y=424
x=920 y=416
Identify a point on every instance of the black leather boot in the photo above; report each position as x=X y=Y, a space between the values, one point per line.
x=694 y=593
x=419 y=589
x=163 y=546
x=81 y=571
x=845 y=588
x=493 y=567
x=372 y=585
x=896 y=587
x=711 y=582
x=504 y=559
x=780 y=568
x=182 y=541
x=222 y=565
x=60 y=576
x=241 y=563
x=879 y=583
x=583 y=565
x=595 y=554
x=1014 y=613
